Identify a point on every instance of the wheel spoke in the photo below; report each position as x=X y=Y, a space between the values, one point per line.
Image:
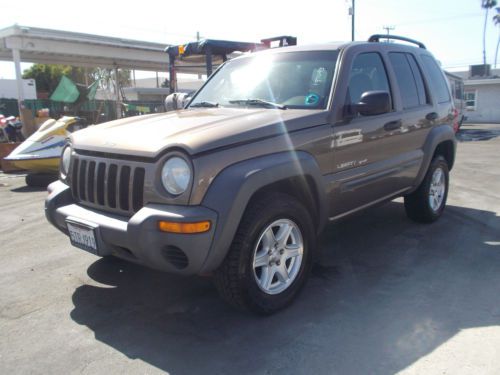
x=282 y=273
x=292 y=251
x=437 y=177
x=261 y=259
x=266 y=277
x=283 y=234
x=268 y=239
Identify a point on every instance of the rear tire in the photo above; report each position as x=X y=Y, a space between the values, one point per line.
x=274 y=240
x=427 y=203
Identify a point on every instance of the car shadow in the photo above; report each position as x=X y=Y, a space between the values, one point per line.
x=474 y=134
x=28 y=189
x=385 y=292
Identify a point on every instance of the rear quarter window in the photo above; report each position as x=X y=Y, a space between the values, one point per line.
x=436 y=80
x=409 y=80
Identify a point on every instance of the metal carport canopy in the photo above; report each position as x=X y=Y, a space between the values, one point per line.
x=46 y=46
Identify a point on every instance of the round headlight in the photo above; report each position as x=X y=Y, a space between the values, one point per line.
x=65 y=160
x=175 y=175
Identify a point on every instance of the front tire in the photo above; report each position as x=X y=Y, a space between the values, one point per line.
x=40 y=179
x=270 y=257
x=426 y=204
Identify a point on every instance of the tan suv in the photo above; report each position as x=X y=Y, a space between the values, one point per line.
x=277 y=143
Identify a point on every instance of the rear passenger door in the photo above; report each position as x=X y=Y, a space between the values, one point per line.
x=417 y=112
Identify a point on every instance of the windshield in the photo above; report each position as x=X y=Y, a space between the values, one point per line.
x=281 y=80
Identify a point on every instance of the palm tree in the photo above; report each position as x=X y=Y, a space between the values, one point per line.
x=496 y=19
x=486 y=5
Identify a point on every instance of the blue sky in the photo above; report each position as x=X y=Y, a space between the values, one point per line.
x=452 y=30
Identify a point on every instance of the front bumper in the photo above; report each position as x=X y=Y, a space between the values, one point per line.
x=137 y=238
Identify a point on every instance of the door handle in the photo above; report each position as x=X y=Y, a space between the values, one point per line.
x=431 y=116
x=392 y=125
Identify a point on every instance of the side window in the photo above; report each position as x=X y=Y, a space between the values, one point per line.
x=436 y=79
x=459 y=89
x=417 y=74
x=411 y=85
x=367 y=74
x=470 y=100
x=404 y=77
x=452 y=87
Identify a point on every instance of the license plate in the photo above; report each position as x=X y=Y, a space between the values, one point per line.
x=82 y=236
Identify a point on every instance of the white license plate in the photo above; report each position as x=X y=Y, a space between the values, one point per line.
x=82 y=236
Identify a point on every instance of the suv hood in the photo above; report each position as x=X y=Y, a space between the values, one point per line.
x=194 y=130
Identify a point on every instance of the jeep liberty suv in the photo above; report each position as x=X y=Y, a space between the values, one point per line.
x=277 y=143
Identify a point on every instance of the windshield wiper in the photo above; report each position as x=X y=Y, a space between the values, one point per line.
x=205 y=104
x=258 y=102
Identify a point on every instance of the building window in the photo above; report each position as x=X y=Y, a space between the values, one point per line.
x=470 y=100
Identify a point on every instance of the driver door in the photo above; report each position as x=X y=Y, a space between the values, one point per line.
x=365 y=147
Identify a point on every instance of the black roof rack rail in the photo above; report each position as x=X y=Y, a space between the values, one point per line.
x=284 y=40
x=377 y=37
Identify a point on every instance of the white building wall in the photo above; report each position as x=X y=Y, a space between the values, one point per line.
x=8 y=89
x=487 y=103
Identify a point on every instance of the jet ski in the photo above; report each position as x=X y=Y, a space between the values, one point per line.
x=41 y=152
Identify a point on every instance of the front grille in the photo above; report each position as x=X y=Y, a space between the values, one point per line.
x=112 y=185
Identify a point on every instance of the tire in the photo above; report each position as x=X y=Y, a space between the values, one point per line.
x=243 y=283
x=418 y=205
x=40 y=180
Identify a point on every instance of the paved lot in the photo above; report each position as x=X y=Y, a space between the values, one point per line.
x=388 y=296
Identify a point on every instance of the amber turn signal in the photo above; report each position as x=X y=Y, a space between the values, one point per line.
x=189 y=228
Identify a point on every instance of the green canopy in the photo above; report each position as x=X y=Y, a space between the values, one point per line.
x=66 y=91
x=92 y=90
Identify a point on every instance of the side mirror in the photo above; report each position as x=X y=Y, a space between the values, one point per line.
x=373 y=103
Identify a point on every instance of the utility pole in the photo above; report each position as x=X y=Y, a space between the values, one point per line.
x=352 y=11
x=198 y=39
x=388 y=29
x=19 y=81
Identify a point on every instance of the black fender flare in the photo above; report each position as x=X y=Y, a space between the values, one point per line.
x=232 y=189
x=436 y=136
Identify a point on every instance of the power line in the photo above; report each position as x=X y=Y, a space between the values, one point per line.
x=424 y=21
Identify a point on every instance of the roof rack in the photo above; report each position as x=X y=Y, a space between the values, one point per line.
x=377 y=37
x=284 y=41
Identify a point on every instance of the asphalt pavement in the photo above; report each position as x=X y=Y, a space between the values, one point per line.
x=387 y=296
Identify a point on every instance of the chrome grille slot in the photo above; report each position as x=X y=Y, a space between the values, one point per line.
x=91 y=182
x=101 y=174
x=123 y=187
x=138 y=189
x=74 y=179
x=111 y=185
x=82 y=177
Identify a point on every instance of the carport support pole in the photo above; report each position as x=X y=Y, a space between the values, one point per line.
x=19 y=79
x=172 y=73
x=208 y=54
x=117 y=88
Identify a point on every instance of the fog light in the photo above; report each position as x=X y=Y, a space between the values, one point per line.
x=176 y=227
